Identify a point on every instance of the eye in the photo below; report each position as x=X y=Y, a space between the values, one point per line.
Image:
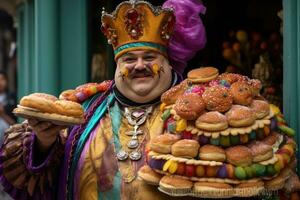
x=129 y=60
x=149 y=58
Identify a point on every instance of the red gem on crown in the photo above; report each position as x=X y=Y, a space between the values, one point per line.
x=133 y=16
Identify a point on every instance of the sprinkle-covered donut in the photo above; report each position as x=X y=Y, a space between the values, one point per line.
x=189 y=106
x=217 y=98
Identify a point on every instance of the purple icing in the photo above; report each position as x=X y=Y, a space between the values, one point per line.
x=273 y=125
x=222 y=172
x=203 y=140
x=156 y=163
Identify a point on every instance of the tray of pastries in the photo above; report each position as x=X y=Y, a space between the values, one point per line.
x=45 y=107
x=220 y=139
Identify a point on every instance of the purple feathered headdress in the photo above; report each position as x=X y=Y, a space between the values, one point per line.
x=189 y=34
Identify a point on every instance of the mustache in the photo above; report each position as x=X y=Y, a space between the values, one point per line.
x=147 y=71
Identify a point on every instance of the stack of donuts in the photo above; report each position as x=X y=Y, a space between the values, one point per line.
x=221 y=139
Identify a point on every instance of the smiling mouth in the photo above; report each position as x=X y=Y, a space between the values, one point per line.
x=141 y=76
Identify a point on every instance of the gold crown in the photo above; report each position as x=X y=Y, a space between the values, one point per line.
x=137 y=25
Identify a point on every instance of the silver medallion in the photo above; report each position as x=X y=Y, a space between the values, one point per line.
x=122 y=155
x=133 y=143
x=131 y=133
x=135 y=155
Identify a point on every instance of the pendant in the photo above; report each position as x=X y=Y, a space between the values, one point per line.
x=133 y=143
x=122 y=155
x=131 y=133
x=135 y=155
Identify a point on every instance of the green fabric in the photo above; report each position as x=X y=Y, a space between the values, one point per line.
x=141 y=44
x=116 y=117
x=98 y=114
x=86 y=104
x=114 y=193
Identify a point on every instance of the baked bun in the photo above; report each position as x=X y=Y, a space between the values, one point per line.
x=239 y=156
x=271 y=139
x=175 y=183
x=239 y=116
x=212 y=121
x=260 y=108
x=149 y=175
x=45 y=107
x=242 y=93
x=189 y=106
x=212 y=153
x=40 y=101
x=255 y=86
x=69 y=108
x=261 y=151
x=185 y=148
x=217 y=98
x=68 y=95
x=171 y=95
x=203 y=74
x=230 y=77
x=163 y=143
x=278 y=182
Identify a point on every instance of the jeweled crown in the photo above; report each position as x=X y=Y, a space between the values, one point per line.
x=137 y=25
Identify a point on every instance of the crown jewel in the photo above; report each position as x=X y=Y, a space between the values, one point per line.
x=136 y=25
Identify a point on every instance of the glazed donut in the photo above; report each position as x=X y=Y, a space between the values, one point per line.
x=189 y=106
x=203 y=74
x=217 y=98
x=175 y=183
x=212 y=153
x=230 y=77
x=163 y=143
x=260 y=108
x=239 y=156
x=242 y=93
x=261 y=151
x=212 y=121
x=185 y=148
x=239 y=116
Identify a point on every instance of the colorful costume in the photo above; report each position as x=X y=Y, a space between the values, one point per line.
x=82 y=164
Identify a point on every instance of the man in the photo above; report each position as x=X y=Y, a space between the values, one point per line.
x=101 y=158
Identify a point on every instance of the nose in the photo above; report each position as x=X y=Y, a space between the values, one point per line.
x=140 y=65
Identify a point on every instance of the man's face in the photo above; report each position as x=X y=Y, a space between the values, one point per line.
x=138 y=80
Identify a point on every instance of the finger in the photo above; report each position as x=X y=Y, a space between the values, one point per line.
x=42 y=126
x=54 y=129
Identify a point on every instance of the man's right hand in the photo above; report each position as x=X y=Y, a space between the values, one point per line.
x=46 y=133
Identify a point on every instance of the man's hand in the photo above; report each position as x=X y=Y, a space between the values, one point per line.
x=46 y=133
